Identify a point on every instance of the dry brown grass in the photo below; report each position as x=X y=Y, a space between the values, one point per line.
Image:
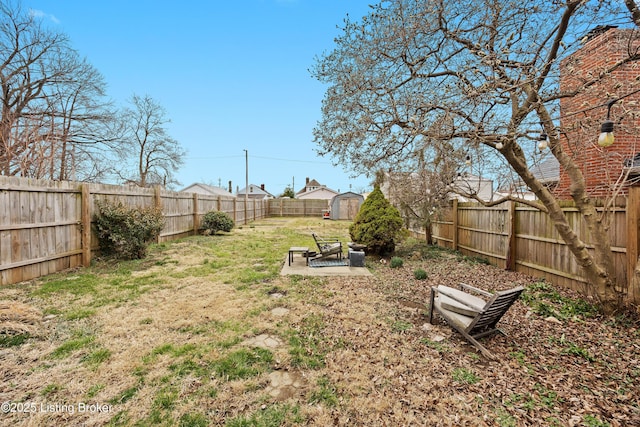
x=366 y=353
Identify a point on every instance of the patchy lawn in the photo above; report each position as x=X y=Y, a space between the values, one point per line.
x=205 y=332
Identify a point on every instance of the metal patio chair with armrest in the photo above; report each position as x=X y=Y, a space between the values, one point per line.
x=328 y=247
x=472 y=316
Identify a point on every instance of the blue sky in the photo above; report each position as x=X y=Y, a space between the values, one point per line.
x=232 y=76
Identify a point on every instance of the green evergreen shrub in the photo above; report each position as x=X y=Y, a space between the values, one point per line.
x=420 y=274
x=378 y=224
x=125 y=232
x=214 y=221
x=396 y=262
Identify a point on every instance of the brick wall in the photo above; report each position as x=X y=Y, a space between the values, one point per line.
x=583 y=113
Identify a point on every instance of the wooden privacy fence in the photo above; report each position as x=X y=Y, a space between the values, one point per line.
x=297 y=207
x=45 y=226
x=520 y=238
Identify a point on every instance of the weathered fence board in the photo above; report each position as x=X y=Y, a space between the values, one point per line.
x=297 y=207
x=45 y=226
x=524 y=239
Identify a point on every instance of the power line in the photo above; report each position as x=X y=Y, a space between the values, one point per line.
x=290 y=160
x=259 y=157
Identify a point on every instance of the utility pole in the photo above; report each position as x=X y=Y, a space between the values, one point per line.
x=246 y=186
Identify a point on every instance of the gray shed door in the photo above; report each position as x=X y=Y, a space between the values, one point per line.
x=348 y=208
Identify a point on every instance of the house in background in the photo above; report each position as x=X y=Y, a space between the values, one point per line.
x=255 y=192
x=208 y=190
x=547 y=172
x=322 y=193
x=468 y=184
x=396 y=183
x=314 y=190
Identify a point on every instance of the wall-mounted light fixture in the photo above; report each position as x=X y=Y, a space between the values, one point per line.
x=606 y=137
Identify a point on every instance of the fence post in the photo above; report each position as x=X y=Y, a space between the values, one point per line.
x=235 y=210
x=157 y=199
x=196 y=217
x=85 y=218
x=510 y=263
x=455 y=224
x=157 y=202
x=633 y=222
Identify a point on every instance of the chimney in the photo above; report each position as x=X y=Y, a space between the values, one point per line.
x=307 y=180
x=604 y=47
x=230 y=187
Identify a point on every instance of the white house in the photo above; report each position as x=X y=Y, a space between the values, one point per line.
x=464 y=183
x=472 y=185
x=255 y=192
x=314 y=190
x=322 y=193
x=205 y=189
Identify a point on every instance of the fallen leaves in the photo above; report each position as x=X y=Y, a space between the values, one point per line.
x=571 y=371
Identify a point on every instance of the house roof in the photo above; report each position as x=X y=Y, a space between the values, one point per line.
x=206 y=189
x=547 y=171
x=318 y=193
x=473 y=184
x=312 y=183
x=255 y=191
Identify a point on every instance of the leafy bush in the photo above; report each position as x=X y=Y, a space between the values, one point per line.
x=396 y=262
x=378 y=224
x=420 y=274
x=125 y=232
x=214 y=221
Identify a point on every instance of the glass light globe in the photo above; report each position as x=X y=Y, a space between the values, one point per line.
x=606 y=134
x=606 y=139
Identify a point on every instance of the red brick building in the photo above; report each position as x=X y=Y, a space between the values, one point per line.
x=582 y=114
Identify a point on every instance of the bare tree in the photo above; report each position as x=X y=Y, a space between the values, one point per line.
x=52 y=103
x=29 y=55
x=420 y=192
x=149 y=154
x=81 y=123
x=481 y=75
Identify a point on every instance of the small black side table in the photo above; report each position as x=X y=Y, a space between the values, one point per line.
x=301 y=249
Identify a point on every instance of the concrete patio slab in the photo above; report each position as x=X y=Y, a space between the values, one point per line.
x=299 y=266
